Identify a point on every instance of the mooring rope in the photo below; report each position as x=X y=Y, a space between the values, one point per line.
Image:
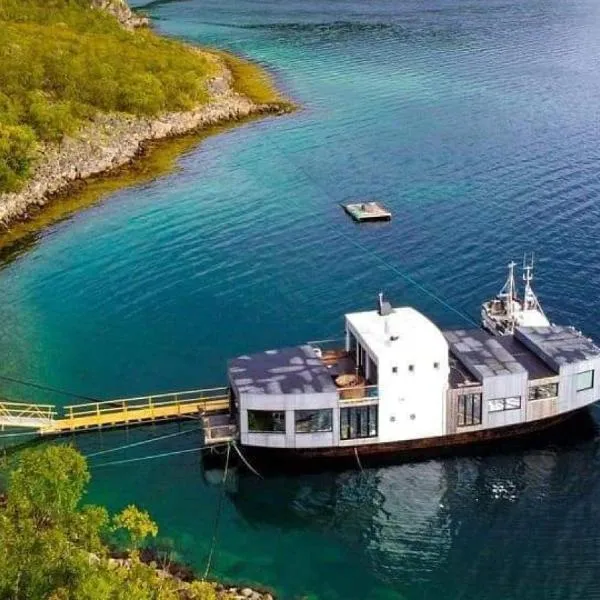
x=218 y=515
x=46 y=388
x=358 y=459
x=162 y=455
x=142 y=443
x=11 y=435
x=239 y=452
x=364 y=248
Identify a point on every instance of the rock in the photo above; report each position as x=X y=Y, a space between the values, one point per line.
x=247 y=592
x=121 y=11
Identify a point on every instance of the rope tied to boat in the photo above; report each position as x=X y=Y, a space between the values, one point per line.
x=218 y=515
x=239 y=452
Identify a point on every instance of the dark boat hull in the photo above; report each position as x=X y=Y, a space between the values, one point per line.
x=566 y=428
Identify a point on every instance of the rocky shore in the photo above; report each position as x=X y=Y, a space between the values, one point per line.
x=186 y=580
x=111 y=141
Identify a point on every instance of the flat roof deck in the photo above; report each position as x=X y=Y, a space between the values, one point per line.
x=562 y=345
x=477 y=354
x=295 y=370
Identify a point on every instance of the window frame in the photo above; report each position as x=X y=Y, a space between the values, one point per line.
x=472 y=400
x=532 y=388
x=272 y=412
x=589 y=387
x=313 y=410
x=353 y=415
x=503 y=405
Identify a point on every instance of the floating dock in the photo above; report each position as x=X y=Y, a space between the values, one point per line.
x=363 y=212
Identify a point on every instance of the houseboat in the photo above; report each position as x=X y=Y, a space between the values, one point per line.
x=397 y=384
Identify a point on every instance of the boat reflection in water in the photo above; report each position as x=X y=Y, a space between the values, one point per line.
x=414 y=523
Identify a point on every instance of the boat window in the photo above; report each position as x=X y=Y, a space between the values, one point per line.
x=411 y=368
x=498 y=404
x=585 y=381
x=312 y=421
x=469 y=410
x=358 y=422
x=266 y=421
x=436 y=365
x=544 y=391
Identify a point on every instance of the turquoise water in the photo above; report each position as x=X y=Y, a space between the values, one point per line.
x=478 y=124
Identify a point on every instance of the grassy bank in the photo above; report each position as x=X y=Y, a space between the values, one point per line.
x=62 y=62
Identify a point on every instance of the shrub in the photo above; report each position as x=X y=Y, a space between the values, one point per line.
x=63 y=61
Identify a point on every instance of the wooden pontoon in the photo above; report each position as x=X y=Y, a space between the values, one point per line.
x=363 y=212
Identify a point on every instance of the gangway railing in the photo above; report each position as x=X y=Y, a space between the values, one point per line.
x=142 y=408
x=28 y=415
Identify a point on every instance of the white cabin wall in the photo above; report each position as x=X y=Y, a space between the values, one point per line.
x=412 y=404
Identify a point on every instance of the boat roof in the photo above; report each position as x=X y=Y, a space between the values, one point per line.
x=561 y=345
x=377 y=331
x=294 y=370
x=483 y=355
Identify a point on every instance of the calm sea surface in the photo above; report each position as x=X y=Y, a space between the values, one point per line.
x=477 y=122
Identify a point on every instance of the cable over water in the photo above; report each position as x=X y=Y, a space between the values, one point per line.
x=142 y=443
x=155 y=456
x=405 y=276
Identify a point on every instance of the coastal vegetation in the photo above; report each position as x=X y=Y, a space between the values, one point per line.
x=64 y=61
x=54 y=547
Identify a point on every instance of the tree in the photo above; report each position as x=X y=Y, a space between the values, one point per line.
x=137 y=526
x=53 y=548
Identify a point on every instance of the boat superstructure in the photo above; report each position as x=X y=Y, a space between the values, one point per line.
x=507 y=310
x=397 y=383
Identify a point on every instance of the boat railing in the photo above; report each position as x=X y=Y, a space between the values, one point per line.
x=359 y=393
x=219 y=433
x=328 y=344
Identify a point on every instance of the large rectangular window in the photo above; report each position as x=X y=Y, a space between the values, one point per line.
x=313 y=421
x=358 y=422
x=469 y=410
x=499 y=404
x=266 y=421
x=585 y=381
x=542 y=392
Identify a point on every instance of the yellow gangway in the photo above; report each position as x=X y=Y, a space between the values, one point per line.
x=125 y=411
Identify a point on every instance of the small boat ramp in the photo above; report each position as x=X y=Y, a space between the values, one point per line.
x=363 y=212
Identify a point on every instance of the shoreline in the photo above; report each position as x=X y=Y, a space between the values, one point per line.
x=113 y=142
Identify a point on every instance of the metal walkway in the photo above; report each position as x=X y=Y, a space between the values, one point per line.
x=46 y=420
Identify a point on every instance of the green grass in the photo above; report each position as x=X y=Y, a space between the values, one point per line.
x=62 y=62
x=252 y=81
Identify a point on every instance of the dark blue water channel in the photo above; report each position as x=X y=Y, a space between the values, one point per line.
x=477 y=122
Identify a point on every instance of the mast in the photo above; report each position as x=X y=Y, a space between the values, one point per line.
x=530 y=301
x=508 y=294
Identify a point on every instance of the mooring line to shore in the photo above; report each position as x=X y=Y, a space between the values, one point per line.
x=142 y=443
x=46 y=388
x=11 y=435
x=364 y=248
x=218 y=515
x=153 y=456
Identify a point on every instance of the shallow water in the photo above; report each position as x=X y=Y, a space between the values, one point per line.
x=478 y=124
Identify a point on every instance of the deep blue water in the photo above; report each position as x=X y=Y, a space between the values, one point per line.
x=477 y=122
